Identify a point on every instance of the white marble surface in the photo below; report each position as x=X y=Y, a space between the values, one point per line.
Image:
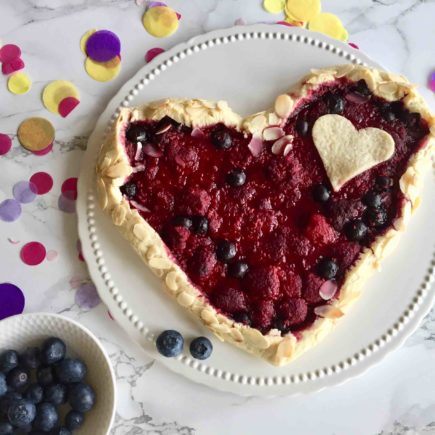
x=396 y=397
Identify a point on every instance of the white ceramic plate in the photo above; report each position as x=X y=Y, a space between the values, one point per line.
x=25 y=330
x=248 y=67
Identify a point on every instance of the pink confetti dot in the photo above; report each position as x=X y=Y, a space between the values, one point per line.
x=240 y=22
x=67 y=105
x=9 y=52
x=432 y=82
x=152 y=53
x=70 y=185
x=12 y=300
x=44 y=151
x=12 y=66
x=33 y=253
x=52 y=255
x=353 y=45
x=5 y=144
x=42 y=181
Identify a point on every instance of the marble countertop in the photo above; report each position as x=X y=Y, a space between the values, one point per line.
x=396 y=397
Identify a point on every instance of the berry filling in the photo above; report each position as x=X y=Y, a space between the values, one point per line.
x=260 y=236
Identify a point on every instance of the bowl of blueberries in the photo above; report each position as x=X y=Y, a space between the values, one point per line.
x=55 y=378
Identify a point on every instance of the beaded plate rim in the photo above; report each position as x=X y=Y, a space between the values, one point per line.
x=254 y=385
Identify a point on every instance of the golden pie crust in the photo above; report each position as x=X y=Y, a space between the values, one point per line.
x=113 y=168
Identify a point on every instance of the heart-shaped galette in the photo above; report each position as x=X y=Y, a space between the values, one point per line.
x=265 y=228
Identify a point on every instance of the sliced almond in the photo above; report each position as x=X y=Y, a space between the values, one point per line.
x=328 y=312
x=279 y=145
x=160 y=263
x=328 y=289
x=185 y=299
x=172 y=280
x=273 y=133
x=283 y=105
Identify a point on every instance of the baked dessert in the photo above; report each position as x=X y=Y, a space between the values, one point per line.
x=265 y=228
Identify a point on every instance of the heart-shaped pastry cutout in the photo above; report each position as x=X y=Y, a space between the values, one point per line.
x=347 y=152
x=238 y=217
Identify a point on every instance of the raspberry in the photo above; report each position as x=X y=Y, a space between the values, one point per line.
x=292 y=311
x=203 y=261
x=275 y=245
x=346 y=253
x=214 y=221
x=300 y=244
x=230 y=300
x=311 y=289
x=291 y=282
x=319 y=231
x=182 y=156
x=162 y=201
x=263 y=282
x=176 y=237
x=195 y=202
x=342 y=211
x=262 y=315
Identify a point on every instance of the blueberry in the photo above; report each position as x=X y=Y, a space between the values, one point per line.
x=37 y=432
x=376 y=217
x=242 y=317
x=129 y=190
x=71 y=370
x=31 y=358
x=335 y=104
x=200 y=225
x=238 y=269
x=387 y=112
x=6 y=400
x=226 y=250
x=372 y=199
x=3 y=384
x=55 y=394
x=53 y=350
x=383 y=182
x=21 y=413
x=327 y=268
x=356 y=230
x=74 y=420
x=60 y=431
x=81 y=397
x=18 y=378
x=201 y=348
x=44 y=375
x=6 y=428
x=362 y=88
x=220 y=138
x=236 y=177
x=34 y=393
x=182 y=221
x=321 y=193
x=8 y=361
x=302 y=127
x=170 y=343
x=46 y=417
x=137 y=133
x=165 y=124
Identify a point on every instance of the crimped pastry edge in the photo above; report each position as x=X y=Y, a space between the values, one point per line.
x=113 y=168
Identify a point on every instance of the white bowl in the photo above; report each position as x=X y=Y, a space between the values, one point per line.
x=24 y=330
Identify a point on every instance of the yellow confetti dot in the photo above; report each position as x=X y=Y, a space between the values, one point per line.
x=273 y=6
x=329 y=24
x=36 y=134
x=56 y=91
x=294 y=22
x=19 y=83
x=302 y=10
x=344 y=36
x=103 y=71
x=84 y=39
x=160 y=21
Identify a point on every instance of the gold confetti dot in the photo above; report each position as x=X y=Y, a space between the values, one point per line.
x=329 y=24
x=273 y=6
x=56 y=91
x=160 y=21
x=35 y=134
x=19 y=83
x=103 y=71
x=302 y=10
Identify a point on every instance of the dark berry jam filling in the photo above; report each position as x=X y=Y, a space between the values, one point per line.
x=259 y=236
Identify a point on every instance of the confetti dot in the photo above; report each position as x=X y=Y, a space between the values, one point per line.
x=12 y=300
x=154 y=4
x=240 y=22
x=51 y=255
x=55 y=92
x=13 y=242
x=44 y=151
x=273 y=6
x=160 y=21
x=103 y=71
x=19 y=83
x=353 y=45
x=110 y=315
x=10 y=210
x=42 y=181
x=67 y=105
x=69 y=188
x=24 y=192
x=152 y=53
x=9 y=52
x=87 y=297
x=103 y=46
x=84 y=39
x=75 y=282
x=33 y=253
x=5 y=144
x=432 y=82
x=66 y=205
x=12 y=66
x=329 y=24
x=36 y=134
x=302 y=10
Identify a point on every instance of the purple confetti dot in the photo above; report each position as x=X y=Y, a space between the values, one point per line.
x=154 y=4
x=103 y=46
x=87 y=296
x=66 y=205
x=24 y=192
x=10 y=210
x=432 y=82
x=12 y=300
